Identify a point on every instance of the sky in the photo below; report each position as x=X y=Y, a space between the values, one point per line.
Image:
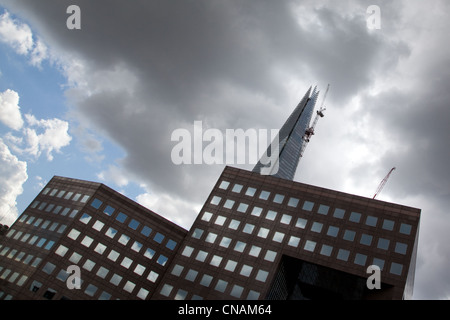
x=101 y=102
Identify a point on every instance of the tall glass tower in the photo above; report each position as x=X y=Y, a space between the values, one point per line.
x=290 y=140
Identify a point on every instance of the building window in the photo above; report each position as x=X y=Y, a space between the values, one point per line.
x=326 y=250
x=234 y=224
x=396 y=269
x=96 y=203
x=149 y=253
x=323 y=209
x=360 y=259
x=162 y=259
x=383 y=244
x=113 y=255
x=109 y=210
x=405 y=228
x=278 y=198
x=278 y=237
x=100 y=248
x=225 y=242
x=221 y=285
x=401 y=248
x=308 y=205
x=231 y=265
x=124 y=239
x=146 y=231
x=153 y=276
x=166 y=290
x=102 y=272
x=197 y=234
x=49 y=268
x=224 y=185
x=262 y=275
x=286 y=219
x=171 y=244
x=378 y=262
x=159 y=237
x=294 y=241
x=263 y=232
x=73 y=234
x=246 y=270
x=98 y=225
x=271 y=215
x=242 y=207
x=310 y=245
x=248 y=228
x=254 y=251
x=121 y=217
x=133 y=224
x=89 y=265
x=237 y=188
x=332 y=231
x=142 y=293
x=250 y=191
x=301 y=223
x=216 y=200
x=349 y=235
x=216 y=260
x=85 y=218
x=177 y=269
x=220 y=220
x=293 y=202
x=126 y=262
x=317 y=227
x=236 y=291
x=87 y=241
x=264 y=195
x=111 y=232
x=240 y=246
x=207 y=216
x=115 y=279
x=256 y=211
x=228 y=204
x=339 y=213
x=211 y=237
x=191 y=275
x=355 y=217
x=180 y=295
x=371 y=221
x=366 y=239
x=388 y=225
x=206 y=280
x=201 y=256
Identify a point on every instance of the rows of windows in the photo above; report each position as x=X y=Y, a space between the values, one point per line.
x=338 y=213
x=38 y=223
x=67 y=195
x=131 y=223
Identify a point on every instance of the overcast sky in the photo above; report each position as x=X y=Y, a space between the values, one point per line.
x=101 y=103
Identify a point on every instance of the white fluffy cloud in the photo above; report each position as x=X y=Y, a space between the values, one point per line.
x=20 y=37
x=9 y=109
x=13 y=174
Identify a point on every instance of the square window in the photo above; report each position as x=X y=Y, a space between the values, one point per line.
x=201 y=256
x=246 y=270
x=231 y=265
x=388 y=225
x=206 y=280
x=159 y=237
x=146 y=231
x=263 y=232
x=396 y=269
x=152 y=276
x=360 y=259
x=129 y=286
x=293 y=202
x=139 y=270
x=171 y=244
x=113 y=255
x=220 y=220
x=308 y=206
x=286 y=219
x=133 y=224
x=301 y=223
x=250 y=191
x=121 y=217
x=215 y=200
x=115 y=279
x=234 y=224
x=228 y=204
x=211 y=237
x=162 y=259
x=142 y=293
x=326 y=250
x=89 y=265
x=355 y=217
x=405 y=228
x=371 y=221
x=216 y=260
x=191 y=275
x=49 y=268
x=100 y=248
x=253 y=295
x=126 y=262
x=224 y=185
x=339 y=213
x=256 y=211
x=137 y=246
x=349 y=235
x=378 y=262
x=85 y=218
x=207 y=216
x=317 y=227
x=236 y=291
x=87 y=241
x=278 y=237
x=323 y=209
x=237 y=188
x=124 y=239
x=149 y=253
x=254 y=251
x=90 y=290
x=366 y=239
x=401 y=248
x=62 y=250
x=98 y=225
x=225 y=242
x=383 y=244
x=111 y=232
x=242 y=207
x=109 y=210
x=248 y=228
x=197 y=234
x=180 y=295
x=102 y=272
x=343 y=254
x=271 y=215
x=262 y=275
x=264 y=195
x=310 y=245
x=294 y=241
x=240 y=246
x=332 y=231
x=278 y=198
x=166 y=290
x=221 y=285
x=177 y=269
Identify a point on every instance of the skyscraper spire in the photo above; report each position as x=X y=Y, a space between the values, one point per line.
x=290 y=139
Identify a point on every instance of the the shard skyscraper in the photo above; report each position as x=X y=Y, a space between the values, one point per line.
x=288 y=144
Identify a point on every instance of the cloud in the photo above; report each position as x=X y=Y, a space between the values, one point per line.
x=20 y=37
x=13 y=174
x=115 y=175
x=9 y=110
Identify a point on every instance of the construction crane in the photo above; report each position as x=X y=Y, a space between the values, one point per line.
x=382 y=183
x=310 y=131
